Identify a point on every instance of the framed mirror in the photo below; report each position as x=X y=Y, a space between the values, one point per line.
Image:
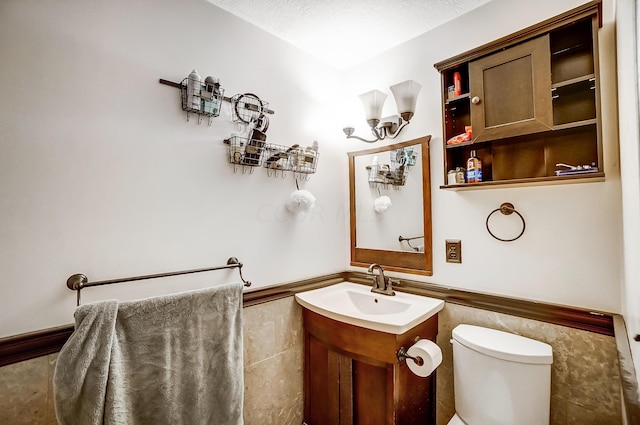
x=390 y=207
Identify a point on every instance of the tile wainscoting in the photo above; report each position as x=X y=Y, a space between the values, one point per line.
x=585 y=377
x=273 y=371
x=585 y=382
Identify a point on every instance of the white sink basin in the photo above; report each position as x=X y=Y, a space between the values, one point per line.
x=355 y=304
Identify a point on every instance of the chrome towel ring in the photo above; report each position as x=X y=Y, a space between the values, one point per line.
x=506 y=208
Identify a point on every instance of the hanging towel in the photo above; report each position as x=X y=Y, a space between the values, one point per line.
x=174 y=360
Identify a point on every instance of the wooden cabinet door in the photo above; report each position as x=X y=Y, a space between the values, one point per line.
x=511 y=91
x=322 y=384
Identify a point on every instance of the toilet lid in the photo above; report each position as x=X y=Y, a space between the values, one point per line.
x=456 y=420
x=503 y=345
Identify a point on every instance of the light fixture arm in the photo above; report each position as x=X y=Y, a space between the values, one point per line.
x=349 y=131
x=398 y=130
x=379 y=132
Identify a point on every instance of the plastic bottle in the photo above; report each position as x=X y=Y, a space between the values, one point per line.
x=207 y=94
x=373 y=174
x=474 y=168
x=193 y=90
x=217 y=96
x=457 y=84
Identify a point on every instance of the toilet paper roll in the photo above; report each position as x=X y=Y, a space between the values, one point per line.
x=430 y=354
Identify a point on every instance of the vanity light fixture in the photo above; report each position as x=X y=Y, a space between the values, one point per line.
x=405 y=94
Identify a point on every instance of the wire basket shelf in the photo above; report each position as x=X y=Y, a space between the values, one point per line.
x=275 y=158
x=395 y=173
x=202 y=99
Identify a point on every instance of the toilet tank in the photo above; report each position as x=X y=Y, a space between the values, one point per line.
x=500 y=378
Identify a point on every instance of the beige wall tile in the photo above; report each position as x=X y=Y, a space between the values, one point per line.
x=274 y=390
x=24 y=389
x=274 y=361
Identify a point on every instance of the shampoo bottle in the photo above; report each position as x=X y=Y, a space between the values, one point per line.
x=474 y=168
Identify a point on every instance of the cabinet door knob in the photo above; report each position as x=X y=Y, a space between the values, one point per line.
x=475 y=100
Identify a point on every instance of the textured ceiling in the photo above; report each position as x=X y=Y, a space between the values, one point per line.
x=346 y=32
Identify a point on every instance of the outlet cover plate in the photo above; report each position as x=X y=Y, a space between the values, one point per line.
x=453 y=250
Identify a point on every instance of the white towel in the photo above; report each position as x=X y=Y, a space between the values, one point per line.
x=165 y=360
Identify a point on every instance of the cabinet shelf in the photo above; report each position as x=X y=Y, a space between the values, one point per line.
x=572 y=49
x=457 y=98
x=572 y=81
x=575 y=124
x=460 y=145
x=535 y=181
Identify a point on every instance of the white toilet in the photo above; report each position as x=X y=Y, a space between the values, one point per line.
x=500 y=378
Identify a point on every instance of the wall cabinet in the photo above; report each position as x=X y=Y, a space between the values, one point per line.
x=353 y=377
x=532 y=101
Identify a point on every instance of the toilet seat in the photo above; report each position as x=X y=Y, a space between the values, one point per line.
x=456 y=420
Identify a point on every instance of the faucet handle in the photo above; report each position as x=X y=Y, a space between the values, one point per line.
x=392 y=281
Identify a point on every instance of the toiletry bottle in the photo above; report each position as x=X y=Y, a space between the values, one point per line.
x=310 y=154
x=193 y=90
x=217 y=96
x=451 y=177
x=457 y=84
x=207 y=96
x=374 y=170
x=474 y=168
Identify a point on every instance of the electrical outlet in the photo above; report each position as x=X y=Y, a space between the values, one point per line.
x=454 y=251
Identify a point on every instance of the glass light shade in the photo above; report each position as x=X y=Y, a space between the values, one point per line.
x=406 y=95
x=373 y=102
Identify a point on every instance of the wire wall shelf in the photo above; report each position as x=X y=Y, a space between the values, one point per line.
x=248 y=154
x=204 y=102
x=395 y=173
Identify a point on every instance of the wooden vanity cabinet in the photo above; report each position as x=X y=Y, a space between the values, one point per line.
x=532 y=100
x=353 y=377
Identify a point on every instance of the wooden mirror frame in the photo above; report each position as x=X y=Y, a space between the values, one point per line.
x=401 y=261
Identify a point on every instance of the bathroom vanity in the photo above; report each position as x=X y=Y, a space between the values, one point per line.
x=353 y=376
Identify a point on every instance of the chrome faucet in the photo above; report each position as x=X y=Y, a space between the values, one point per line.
x=381 y=284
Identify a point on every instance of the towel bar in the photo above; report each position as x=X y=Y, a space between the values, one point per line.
x=79 y=281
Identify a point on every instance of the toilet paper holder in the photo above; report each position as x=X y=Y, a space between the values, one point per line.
x=403 y=355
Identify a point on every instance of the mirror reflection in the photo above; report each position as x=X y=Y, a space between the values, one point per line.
x=390 y=206
x=389 y=200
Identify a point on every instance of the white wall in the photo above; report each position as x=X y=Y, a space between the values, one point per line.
x=570 y=252
x=100 y=173
x=628 y=100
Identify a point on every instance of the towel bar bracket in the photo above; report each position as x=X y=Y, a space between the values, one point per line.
x=78 y=281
